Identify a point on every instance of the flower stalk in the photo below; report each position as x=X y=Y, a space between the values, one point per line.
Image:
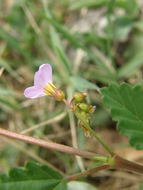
x=93 y=133
x=81 y=111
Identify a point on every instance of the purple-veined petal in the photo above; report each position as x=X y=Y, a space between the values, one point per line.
x=43 y=75
x=33 y=92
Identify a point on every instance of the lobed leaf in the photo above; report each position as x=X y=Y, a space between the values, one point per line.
x=32 y=177
x=126 y=104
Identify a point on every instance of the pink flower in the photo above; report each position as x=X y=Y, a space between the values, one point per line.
x=43 y=85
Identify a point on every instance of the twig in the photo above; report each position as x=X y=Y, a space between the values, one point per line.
x=88 y=172
x=47 y=144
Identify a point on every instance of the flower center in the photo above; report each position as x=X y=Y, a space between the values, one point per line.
x=49 y=89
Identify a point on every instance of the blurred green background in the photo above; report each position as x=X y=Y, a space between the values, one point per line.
x=90 y=44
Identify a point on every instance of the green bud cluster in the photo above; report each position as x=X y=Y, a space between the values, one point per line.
x=79 y=105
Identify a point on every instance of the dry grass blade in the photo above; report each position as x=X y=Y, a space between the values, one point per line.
x=47 y=122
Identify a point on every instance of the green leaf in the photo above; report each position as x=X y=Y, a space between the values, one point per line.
x=77 y=41
x=130 y=6
x=126 y=104
x=61 y=186
x=122 y=27
x=32 y=177
x=131 y=66
x=90 y=3
x=78 y=185
x=64 y=32
x=133 y=56
x=100 y=75
x=11 y=41
x=9 y=69
x=56 y=43
x=4 y=91
x=82 y=84
x=63 y=59
x=8 y=103
x=59 y=51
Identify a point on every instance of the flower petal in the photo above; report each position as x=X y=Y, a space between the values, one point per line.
x=33 y=92
x=43 y=75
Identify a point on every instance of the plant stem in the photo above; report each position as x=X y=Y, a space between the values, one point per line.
x=47 y=144
x=79 y=116
x=107 y=148
x=123 y=164
x=87 y=172
x=119 y=163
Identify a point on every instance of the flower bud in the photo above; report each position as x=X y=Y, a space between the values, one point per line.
x=79 y=96
x=87 y=108
x=84 y=107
